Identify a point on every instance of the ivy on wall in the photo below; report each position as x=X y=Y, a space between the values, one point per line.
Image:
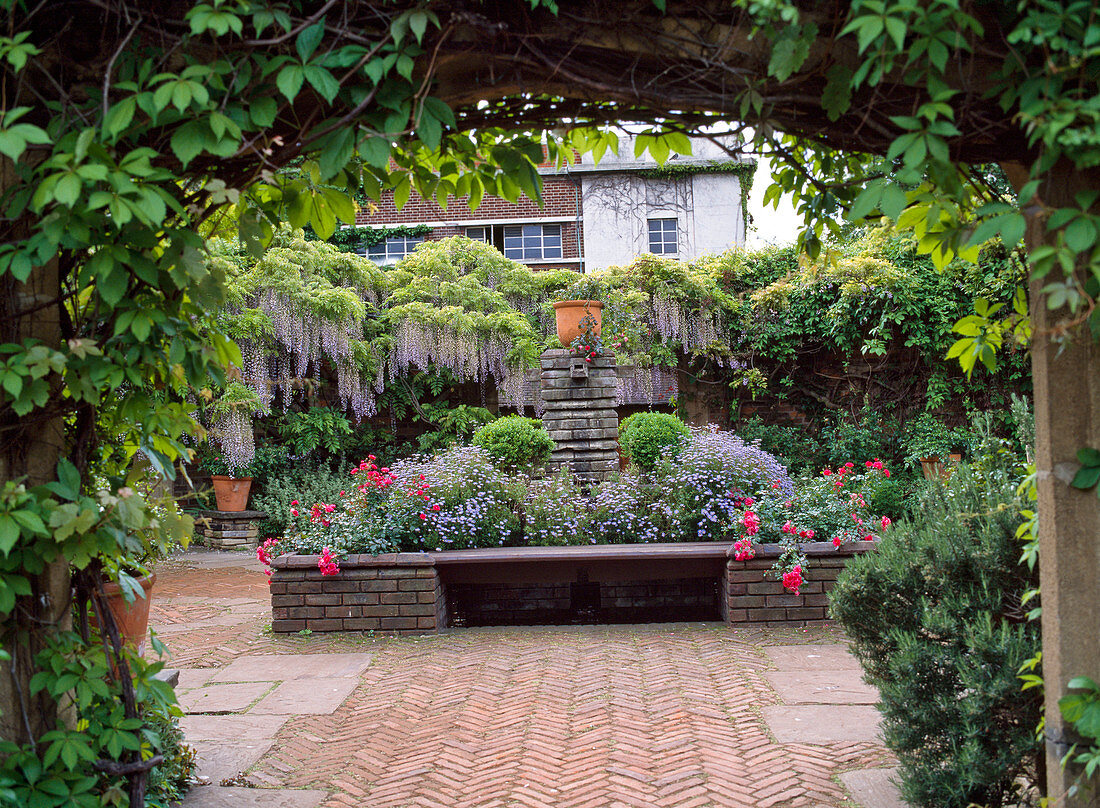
x=745 y=171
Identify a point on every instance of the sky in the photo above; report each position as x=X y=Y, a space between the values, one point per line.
x=770 y=226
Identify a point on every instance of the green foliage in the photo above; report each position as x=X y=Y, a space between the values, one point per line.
x=1047 y=79
x=169 y=781
x=935 y=621
x=926 y=436
x=59 y=773
x=235 y=398
x=316 y=428
x=1089 y=474
x=266 y=461
x=453 y=424
x=1081 y=709
x=874 y=294
x=360 y=239
x=515 y=441
x=645 y=436
x=306 y=482
x=793 y=446
x=865 y=436
x=889 y=499
x=715 y=315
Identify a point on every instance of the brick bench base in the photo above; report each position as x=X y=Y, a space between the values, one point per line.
x=391 y=592
x=419 y=593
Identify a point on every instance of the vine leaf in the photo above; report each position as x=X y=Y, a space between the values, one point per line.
x=1089 y=474
x=309 y=39
x=1082 y=709
x=9 y=533
x=837 y=97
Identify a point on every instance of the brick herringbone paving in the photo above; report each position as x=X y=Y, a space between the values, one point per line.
x=664 y=716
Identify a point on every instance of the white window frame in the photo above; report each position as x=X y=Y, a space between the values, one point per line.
x=393 y=249
x=481 y=232
x=533 y=245
x=659 y=232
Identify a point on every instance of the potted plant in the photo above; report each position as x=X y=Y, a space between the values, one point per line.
x=580 y=305
x=929 y=441
x=131 y=615
x=575 y=318
x=146 y=522
x=229 y=468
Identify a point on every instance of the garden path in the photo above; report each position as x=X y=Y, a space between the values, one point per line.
x=686 y=715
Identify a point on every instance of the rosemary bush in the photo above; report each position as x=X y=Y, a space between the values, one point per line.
x=936 y=621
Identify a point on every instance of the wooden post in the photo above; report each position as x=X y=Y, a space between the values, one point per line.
x=1067 y=417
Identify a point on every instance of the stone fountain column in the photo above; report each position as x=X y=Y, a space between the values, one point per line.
x=580 y=414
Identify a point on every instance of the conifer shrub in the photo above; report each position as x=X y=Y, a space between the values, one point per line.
x=935 y=618
x=644 y=436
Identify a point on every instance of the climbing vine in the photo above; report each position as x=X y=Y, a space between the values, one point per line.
x=306 y=313
x=358 y=239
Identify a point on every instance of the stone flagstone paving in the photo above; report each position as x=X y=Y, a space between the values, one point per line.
x=686 y=715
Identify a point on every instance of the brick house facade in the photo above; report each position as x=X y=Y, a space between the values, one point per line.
x=592 y=215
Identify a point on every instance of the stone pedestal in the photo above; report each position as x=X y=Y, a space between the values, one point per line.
x=580 y=413
x=229 y=530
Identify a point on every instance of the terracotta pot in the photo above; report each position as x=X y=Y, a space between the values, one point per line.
x=568 y=315
x=931 y=467
x=132 y=619
x=231 y=492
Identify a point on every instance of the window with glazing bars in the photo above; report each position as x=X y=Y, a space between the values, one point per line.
x=532 y=242
x=662 y=237
x=393 y=249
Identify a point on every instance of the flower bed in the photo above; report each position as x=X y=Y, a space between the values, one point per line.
x=712 y=491
x=425 y=592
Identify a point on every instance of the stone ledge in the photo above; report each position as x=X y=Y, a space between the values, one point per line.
x=590 y=396
x=405 y=592
x=600 y=407
x=815 y=549
x=291 y=561
x=231 y=516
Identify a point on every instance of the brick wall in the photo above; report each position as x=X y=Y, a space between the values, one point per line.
x=754 y=596
x=392 y=592
x=403 y=592
x=559 y=197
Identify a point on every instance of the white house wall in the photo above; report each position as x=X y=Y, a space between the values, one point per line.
x=718 y=222
x=614 y=219
x=616 y=209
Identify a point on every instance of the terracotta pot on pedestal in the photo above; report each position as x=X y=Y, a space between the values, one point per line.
x=568 y=315
x=231 y=492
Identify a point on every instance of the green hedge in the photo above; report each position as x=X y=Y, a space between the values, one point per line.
x=515 y=442
x=644 y=435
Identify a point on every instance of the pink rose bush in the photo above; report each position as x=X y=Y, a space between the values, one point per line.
x=331 y=529
x=831 y=506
